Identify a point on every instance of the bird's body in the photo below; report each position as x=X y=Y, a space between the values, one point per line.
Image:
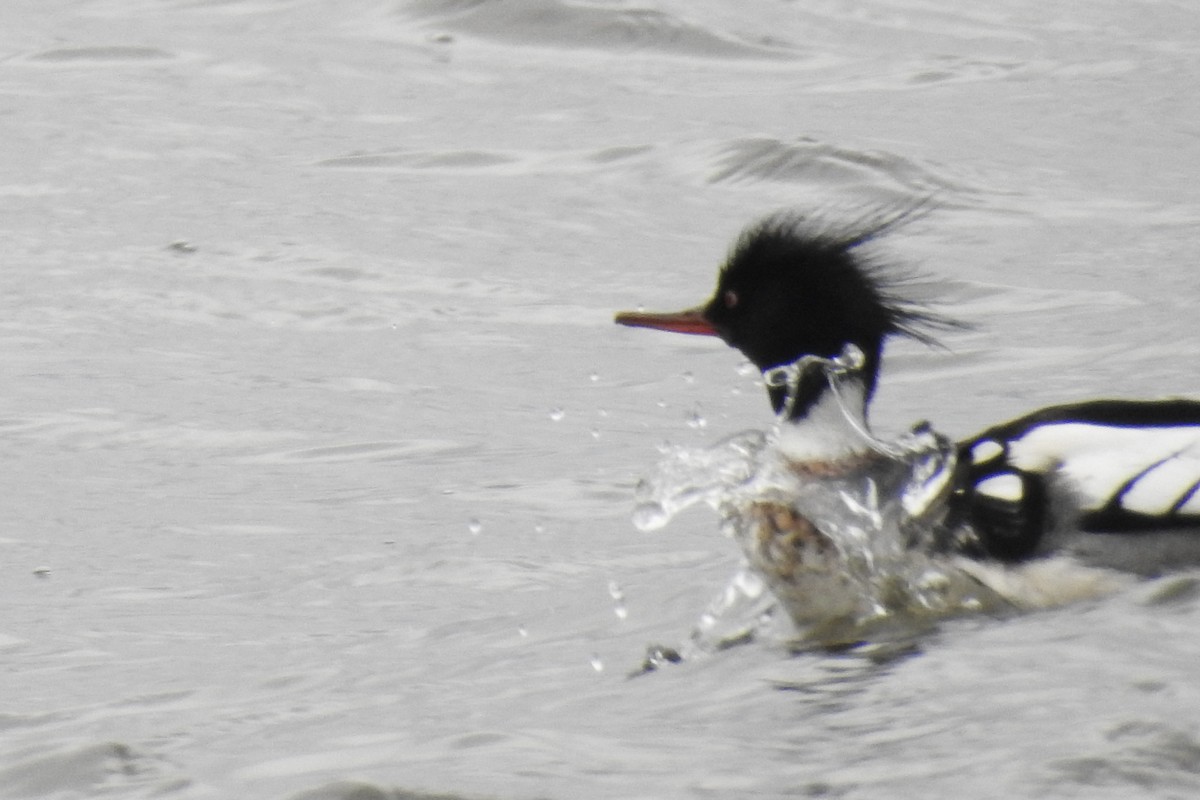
x=1108 y=485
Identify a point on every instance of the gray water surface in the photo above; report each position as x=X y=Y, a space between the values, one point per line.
x=318 y=446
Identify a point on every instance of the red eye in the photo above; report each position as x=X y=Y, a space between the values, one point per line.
x=731 y=299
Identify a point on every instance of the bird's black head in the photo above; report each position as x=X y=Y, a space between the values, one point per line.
x=791 y=288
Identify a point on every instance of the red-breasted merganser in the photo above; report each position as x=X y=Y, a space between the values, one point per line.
x=1112 y=484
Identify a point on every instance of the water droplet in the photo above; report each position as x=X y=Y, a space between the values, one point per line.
x=932 y=580
x=595 y=433
x=594 y=377
x=539 y=528
x=688 y=377
x=618 y=596
x=557 y=414
x=42 y=572
x=597 y=664
x=661 y=404
x=601 y=412
x=650 y=516
x=696 y=420
x=524 y=634
x=750 y=584
x=658 y=656
x=474 y=526
x=746 y=369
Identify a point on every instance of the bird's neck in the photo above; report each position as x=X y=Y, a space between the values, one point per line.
x=822 y=404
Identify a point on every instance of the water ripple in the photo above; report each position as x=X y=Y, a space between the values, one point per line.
x=551 y=23
x=95 y=55
x=361 y=451
x=420 y=160
x=814 y=162
x=492 y=161
x=81 y=771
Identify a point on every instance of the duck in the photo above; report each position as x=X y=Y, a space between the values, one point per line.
x=1108 y=487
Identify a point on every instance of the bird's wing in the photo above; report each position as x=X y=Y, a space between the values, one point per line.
x=1125 y=465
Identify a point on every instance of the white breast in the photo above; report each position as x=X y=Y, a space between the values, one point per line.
x=834 y=427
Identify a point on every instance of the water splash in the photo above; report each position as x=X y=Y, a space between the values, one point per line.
x=838 y=544
x=690 y=475
x=743 y=609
